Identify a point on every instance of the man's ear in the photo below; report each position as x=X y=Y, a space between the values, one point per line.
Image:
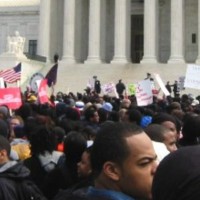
x=3 y=155
x=112 y=170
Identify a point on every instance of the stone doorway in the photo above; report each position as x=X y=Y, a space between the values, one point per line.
x=137 y=38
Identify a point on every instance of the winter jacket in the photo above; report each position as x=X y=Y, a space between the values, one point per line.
x=11 y=174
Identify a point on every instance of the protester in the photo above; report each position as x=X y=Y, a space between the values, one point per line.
x=97 y=85
x=191 y=131
x=168 y=121
x=14 y=177
x=124 y=162
x=89 y=114
x=178 y=176
x=176 y=89
x=160 y=133
x=44 y=157
x=65 y=175
x=168 y=86
x=120 y=87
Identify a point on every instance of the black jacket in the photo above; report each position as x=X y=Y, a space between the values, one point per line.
x=9 y=179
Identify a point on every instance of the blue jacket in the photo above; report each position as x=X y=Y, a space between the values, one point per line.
x=106 y=194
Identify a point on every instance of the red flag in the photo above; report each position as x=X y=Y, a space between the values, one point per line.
x=10 y=97
x=11 y=75
x=42 y=92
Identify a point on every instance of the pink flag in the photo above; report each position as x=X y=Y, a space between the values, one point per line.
x=10 y=97
x=42 y=92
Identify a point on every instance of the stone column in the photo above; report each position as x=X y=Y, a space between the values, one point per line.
x=44 y=29
x=69 y=31
x=150 y=31
x=198 y=57
x=94 y=51
x=177 y=32
x=122 y=32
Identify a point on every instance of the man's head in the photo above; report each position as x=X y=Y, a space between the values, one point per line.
x=5 y=149
x=160 y=133
x=148 y=75
x=91 y=114
x=123 y=159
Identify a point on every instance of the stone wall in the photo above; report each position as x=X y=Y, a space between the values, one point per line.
x=23 y=19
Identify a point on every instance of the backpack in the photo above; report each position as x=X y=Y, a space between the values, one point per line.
x=27 y=190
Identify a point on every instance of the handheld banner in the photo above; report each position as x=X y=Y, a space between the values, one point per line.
x=131 y=89
x=144 y=94
x=108 y=88
x=161 y=84
x=192 y=79
x=10 y=97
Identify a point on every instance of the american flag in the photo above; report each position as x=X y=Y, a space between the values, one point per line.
x=11 y=75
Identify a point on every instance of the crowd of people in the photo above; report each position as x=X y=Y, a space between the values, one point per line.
x=92 y=146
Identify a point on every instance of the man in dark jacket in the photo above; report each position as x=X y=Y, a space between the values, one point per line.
x=97 y=85
x=120 y=87
x=12 y=174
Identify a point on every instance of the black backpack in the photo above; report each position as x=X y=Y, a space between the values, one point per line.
x=27 y=190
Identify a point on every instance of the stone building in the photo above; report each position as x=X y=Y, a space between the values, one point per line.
x=105 y=31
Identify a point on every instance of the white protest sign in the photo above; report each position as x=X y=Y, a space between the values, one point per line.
x=108 y=88
x=144 y=94
x=192 y=78
x=161 y=84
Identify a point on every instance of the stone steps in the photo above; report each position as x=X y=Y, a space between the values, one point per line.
x=74 y=77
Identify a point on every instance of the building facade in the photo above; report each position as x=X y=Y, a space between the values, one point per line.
x=106 y=31
x=22 y=16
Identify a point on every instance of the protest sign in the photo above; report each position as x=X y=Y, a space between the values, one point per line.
x=10 y=97
x=192 y=79
x=161 y=84
x=108 y=88
x=131 y=89
x=144 y=94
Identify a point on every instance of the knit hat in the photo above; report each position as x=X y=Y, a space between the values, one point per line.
x=145 y=121
x=80 y=105
x=4 y=110
x=107 y=106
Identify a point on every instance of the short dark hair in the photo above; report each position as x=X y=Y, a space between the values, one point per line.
x=90 y=112
x=74 y=145
x=42 y=139
x=110 y=144
x=4 y=144
x=156 y=132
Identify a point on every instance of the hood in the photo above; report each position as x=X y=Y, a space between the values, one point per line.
x=14 y=170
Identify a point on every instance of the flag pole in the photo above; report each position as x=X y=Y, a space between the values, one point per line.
x=52 y=88
x=18 y=83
